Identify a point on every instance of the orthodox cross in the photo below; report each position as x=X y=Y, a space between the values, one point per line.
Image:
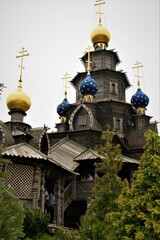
x=137 y=65
x=99 y=3
x=89 y=60
x=65 y=77
x=23 y=54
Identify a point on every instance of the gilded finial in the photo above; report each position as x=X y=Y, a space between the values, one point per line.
x=137 y=65
x=23 y=54
x=99 y=3
x=65 y=77
x=89 y=60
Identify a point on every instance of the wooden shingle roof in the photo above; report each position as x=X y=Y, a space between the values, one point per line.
x=23 y=150
x=65 y=151
x=89 y=154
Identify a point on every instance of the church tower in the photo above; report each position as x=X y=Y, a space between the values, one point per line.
x=64 y=161
x=63 y=106
x=101 y=99
x=140 y=101
x=18 y=102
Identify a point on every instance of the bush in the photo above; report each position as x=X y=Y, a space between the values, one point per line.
x=35 y=222
x=11 y=216
x=11 y=211
x=67 y=234
x=46 y=236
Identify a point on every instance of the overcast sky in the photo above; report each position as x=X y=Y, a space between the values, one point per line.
x=56 y=33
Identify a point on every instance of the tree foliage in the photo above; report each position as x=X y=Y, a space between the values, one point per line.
x=35 y=222
x=11 y=212
x=138 y=216
x=107 y=188
x=118 y=212
x=1 y=88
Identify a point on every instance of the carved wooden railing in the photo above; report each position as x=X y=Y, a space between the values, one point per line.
x=78 y=190
x=68 y=194
x=26 y=200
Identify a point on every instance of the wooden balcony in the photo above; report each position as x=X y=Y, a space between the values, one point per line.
x=84 y=189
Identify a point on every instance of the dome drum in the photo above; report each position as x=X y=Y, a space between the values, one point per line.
x=63 y=119
x=140 y=111
x=88 y=98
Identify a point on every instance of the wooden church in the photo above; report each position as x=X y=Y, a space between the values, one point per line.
x=63 y=161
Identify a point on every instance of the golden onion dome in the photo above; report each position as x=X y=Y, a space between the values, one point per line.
x=100 y=35
x=18 y=100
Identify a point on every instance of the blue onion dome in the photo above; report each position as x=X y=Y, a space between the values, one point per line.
x=62 y=106
x=88 y=86
x=139 y=99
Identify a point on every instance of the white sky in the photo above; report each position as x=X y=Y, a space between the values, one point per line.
x=56 y=33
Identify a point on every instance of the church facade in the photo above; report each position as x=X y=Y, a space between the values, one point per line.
x=63 y=161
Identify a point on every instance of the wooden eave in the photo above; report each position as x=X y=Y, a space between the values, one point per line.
x=9 y=123
x=117 y=102
x=58 y=164
x=23 y=150
x=17 y=132
x=89 y=154
x=83 y=74
x=64 y=152
x=70 y=133
x=126 y=159
x=111 y=51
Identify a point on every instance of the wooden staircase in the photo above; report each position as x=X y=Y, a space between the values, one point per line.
x=77 y=190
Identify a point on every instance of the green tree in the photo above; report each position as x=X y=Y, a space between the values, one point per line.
x=11 y=211
x=138 y=217
x=108 y=187
x=1 y=88
x=35 y=222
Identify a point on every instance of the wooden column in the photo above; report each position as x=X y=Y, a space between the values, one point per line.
x=74 y=187
x=42 y=190
x=131 y=177
x=1 y=169
x=35 y=186
x=59 y=204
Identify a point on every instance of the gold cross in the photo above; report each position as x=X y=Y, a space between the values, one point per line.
x=137 y=65
x=99 y=3
x=21 y=65
x=89 y=60
x=65 y=77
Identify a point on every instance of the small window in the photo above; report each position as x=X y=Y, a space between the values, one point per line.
x=117 y=122
x=113 y=88
x=82 y=119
